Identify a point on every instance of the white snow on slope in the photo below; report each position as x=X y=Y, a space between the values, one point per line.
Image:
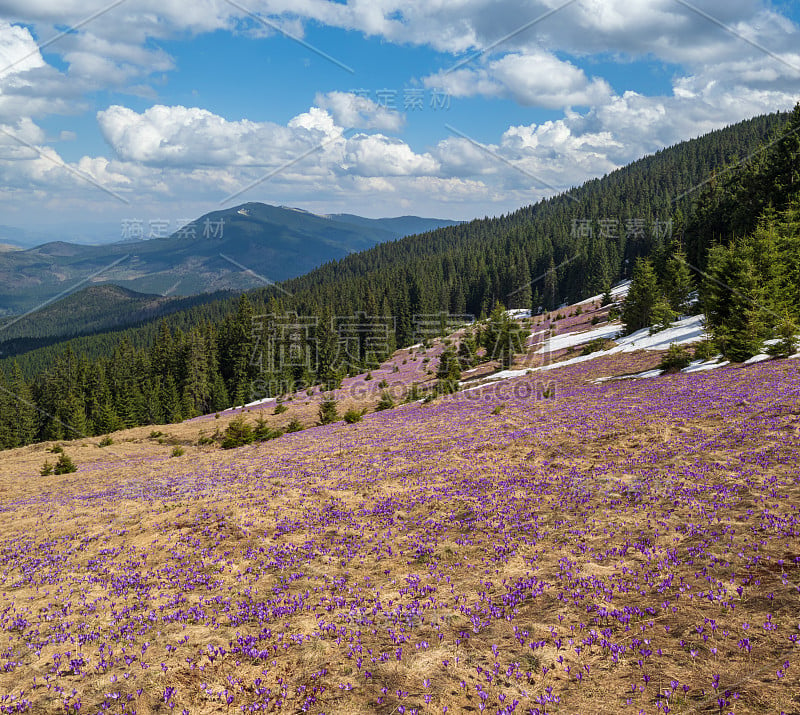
x=703 y=366
x=617 y=292
x=257 y=403
x=497 y=377
x=570 y=340
x=683 y=332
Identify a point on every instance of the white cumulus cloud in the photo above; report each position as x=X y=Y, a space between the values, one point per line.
x=357 y=112
x=539 y=79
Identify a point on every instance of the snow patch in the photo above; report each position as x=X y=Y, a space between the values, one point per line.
x=683 y=332
x=703 y=366
x=257 y=403
x=757 y=358
x=498 y=376
x=648 y=373
x=636 y=376
x=618 y=291
x=570 y=340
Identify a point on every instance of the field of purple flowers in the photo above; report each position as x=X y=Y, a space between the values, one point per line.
x=626 y=546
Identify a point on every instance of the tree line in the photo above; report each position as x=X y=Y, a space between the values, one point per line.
x=562 y=249
x=742 y=256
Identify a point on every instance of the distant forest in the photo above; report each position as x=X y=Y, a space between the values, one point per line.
x=725 y=204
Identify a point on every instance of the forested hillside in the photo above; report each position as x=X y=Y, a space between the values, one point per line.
x=88 y=312
x=204 y=359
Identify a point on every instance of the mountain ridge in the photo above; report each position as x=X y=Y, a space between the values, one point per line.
x=237 y=248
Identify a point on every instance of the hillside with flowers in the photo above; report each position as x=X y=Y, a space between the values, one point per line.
x=585 y=507
x=673 y=209
x=576 y=533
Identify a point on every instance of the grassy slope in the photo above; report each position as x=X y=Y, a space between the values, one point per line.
x=592 y=548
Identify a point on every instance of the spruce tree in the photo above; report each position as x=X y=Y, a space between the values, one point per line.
x=520 y=288
x=598 y=267
x=329 y=363
x=327 y=411
x=7 y=417
x=788 y=250
x=25 y=417
x=64 y=465
x=734 y=301
x=787 y=336
x=467 y=351
x=678 y=283
x=551 y=286
x=642 y=297
x=448 y=372
x=105 y=418
x=172 y=403
x=502 y=337
x=73 y=417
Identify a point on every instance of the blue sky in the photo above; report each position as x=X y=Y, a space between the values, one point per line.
x=159 y=110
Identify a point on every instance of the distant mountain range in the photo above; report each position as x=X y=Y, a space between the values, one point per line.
x=239 y=248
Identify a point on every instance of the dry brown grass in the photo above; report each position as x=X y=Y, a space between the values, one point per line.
x=397 y=532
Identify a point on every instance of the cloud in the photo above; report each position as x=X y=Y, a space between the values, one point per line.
x=190 y=136
x=353 y=111
x=538 y=79
x=116 y=49
x=28 y=85
x=533 y=158
x=381 y=156
x=171 y=152
x=18 y=51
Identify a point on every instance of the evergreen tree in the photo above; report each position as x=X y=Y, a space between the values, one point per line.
x=172 y=402
x=677 y=283
x=105 y=418
x=154 y=401
x=218 y=397
x=598 y=267
x=73 y=417
x=196 y=387
x=788 y=257
x=502 y=337
x=467 y=351
x=448 y=372
x=64 y=465
x=661 y=316
x=327 y=411
x=642 y=297
x=520 y=289
x=238 y=433
x=788 y=340
x=385 y=403
x=23 y=427
x=551 y=286
x=329 y=363
x=734 y=301
x=238 y=351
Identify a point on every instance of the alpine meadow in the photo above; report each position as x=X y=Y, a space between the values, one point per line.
x=400 y=358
